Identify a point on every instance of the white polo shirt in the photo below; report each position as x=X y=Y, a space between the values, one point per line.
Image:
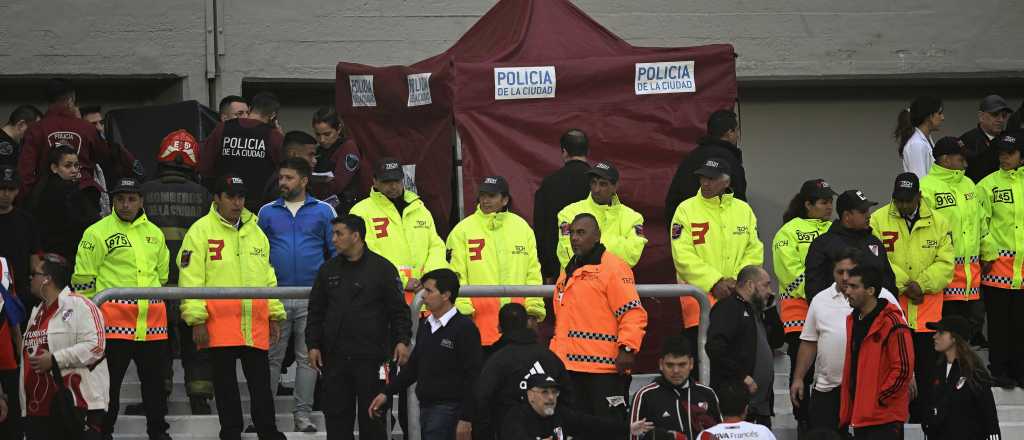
x=826 y=325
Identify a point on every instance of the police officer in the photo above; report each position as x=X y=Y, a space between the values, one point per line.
x=720 y=140
x=125 y=250
x=357 y=322
x=622 y=228
x=338 y=170
x=982 y=156
x=714 y=235
x=226 y=248
x=947 y=191
x=12 y=133
x=1002 y=244
x=494 y=246
x=600 y=322
x=249 y=147
x=567 y=185
x=399 y=227
x=172 y=202
x=919 y=247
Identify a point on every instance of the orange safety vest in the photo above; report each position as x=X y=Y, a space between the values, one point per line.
x=597 y=311
x=486 y=316
x=122 y=317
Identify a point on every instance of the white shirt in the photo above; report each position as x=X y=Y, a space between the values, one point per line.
x=917 y=154
x=741 y=430
x=294 y=206
x=826 y=325
x=436 y=324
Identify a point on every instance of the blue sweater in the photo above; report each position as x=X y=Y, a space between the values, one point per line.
x=299 y=244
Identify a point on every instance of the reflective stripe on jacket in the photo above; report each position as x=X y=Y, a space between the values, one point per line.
x=408 y=240
x=494 y=249
x=597 y=311
x=950 y=194
x=1002 y=227
x=712 y=239
x=789 y=250
x=216 y=253
x=923 y=255
x=622 y=229
x=115 y=253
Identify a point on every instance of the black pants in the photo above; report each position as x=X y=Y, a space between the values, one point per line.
x=925 y=359
x=792 y=349
x=823 y=411
x=12 y=427
x=889 y=431
x=45 y=428
x=756 y=419
x=196 y=363
x=256 y=367
x=602 y=395
x=349 y=386
x=1004 y=309
x=972 y=311
x=151 y=364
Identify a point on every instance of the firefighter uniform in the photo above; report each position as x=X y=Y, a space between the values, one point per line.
x=598 y=313
x=116 y=253
x=622 y=229
x=216 y=253
x=408 y=239
x=712 y=239
x=1002 y=243
x=494 y=249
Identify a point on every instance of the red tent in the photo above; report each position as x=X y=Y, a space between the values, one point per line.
x=526 y=72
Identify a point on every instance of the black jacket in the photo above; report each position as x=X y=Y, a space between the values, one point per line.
x=523 y=423
x=63 y=212
x=688 y=408
x=9 y=150
x=685 y=184
x=567 y=185
x=732 y=340
x=824 y=250
x=982 y=159
x=500 y=387
x=173 y=202
x=357 y=309
x=961 y=409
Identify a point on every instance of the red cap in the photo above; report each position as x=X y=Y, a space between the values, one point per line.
x=179 y=145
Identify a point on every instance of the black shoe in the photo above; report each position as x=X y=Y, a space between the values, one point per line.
x=200 y=406
x=1004 y=382
x=250 y=429
x=284 y=391
x=134 y=409
x=164 y=436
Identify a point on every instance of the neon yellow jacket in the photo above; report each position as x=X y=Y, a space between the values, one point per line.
x=1002 y=227
x=789 y=250
x=408 y=240
x=622 y=229
x=713 y=239
x=214 y=253
x=924 y=255
x=115 y=253
x=952 y=195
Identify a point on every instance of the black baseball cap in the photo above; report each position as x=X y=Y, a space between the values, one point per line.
x=9 y=177
x=957 y=325
x=127 y=185
x=389 y=168
x=816 y=189
x=231 y=184
x=948 y=145
x=605 y=170
x=1009 y=141
x=853 y=199
x=907 y=186
x=713 y=167
x=541 y=381
x=993 y=104
x=494 y=185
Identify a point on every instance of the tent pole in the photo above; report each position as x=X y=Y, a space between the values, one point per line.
x=459 y=183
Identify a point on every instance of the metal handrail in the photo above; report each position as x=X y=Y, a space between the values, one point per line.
x=545 y=291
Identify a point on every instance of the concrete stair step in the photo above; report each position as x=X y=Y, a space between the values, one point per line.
x=179 y=405
x=133 y=390
x=186 y=424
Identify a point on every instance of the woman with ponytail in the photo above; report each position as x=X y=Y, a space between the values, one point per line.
x=962 y=405
x=914 y=126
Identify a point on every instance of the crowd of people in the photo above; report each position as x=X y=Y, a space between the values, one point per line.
x=879 y=310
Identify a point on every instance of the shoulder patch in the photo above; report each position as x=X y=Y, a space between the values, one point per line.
x=351 y=162
x=639 y=229
x=6 y=149
x=186 y=257
x=677 y=230
x=564 y=228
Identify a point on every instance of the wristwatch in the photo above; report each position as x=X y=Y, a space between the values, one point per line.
x=626 y=349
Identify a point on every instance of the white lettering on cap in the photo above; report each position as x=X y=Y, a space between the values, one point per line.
x=236 y=181
x=9 y=174
x=824 y=184
x=602 y=166
x=491 y=181
x=860 y=195
x=1009 y=139
x=391 y=166
x=711 y=163
x=127 y=182
x=906 y=184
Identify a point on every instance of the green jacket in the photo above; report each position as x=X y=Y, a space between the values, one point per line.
x=789 y=250
x=713 y=239
x=622 y=229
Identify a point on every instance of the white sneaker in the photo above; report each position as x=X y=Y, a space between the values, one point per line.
x=304 y=424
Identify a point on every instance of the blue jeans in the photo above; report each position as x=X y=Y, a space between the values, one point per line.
x=438 y=420
x=305 y=376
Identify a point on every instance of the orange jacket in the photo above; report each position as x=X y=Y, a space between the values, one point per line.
x=597 y=311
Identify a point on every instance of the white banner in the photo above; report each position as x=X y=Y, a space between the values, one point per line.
x=667 y=77
x=419 y=89
x=524 y=82
x=362 y=90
